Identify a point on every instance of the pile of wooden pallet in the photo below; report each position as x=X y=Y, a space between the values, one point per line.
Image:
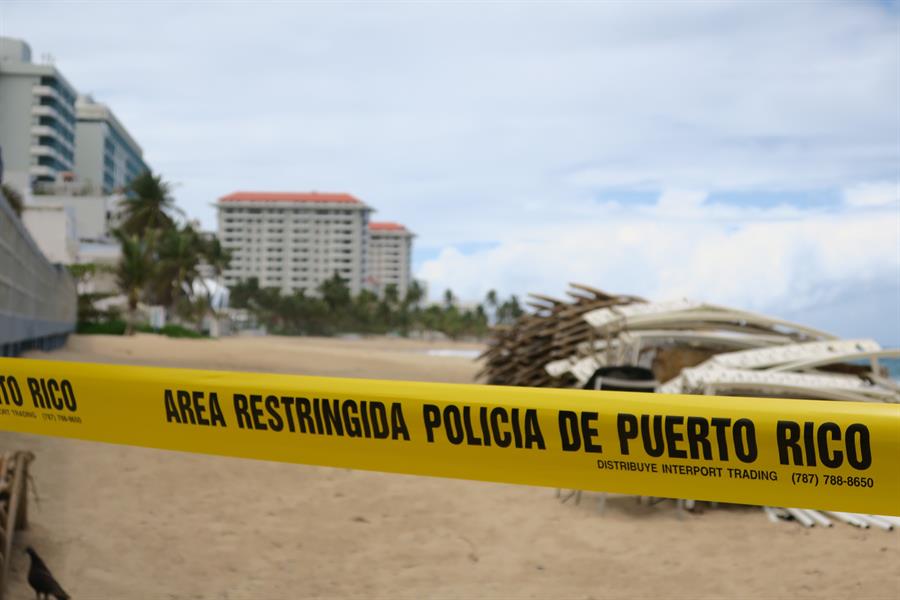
x=13 y=505
x=689 y=348
x=516 y=354
x=563 y=342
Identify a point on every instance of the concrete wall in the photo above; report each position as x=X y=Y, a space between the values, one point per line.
x=53 y=229
x=91 y=212
x=103 y=254
x=16 y=98
x=38 y=302
x=89 y=154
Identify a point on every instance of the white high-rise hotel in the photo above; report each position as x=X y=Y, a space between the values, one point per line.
x=390 y=256
x=37 y=117
x=295 y=241
x=48 y=131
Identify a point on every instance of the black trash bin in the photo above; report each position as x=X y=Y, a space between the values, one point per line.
x=622 y=378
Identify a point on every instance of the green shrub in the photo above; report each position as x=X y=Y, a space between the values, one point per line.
x=172 y=331
x=114 y=327
x=177 y=331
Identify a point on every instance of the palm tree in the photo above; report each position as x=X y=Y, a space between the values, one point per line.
x=244 y=293
x=449 y=298
x=391 y=295
x=218 y=259
x=335 y=293
x=491 y=298
x=509 y=311
x=415 y=293
x=178 y=255
x=492 y=301
x=216 y=256
x=409 y=308
x=134 y=271
x=481 y=320
x=148 y=204
x=365 y=309
x=389 y=312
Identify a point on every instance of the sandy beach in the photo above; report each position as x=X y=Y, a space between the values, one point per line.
x=122 y=522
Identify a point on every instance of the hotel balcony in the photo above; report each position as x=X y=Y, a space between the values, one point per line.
x=46 y=130
x=46 y=90
x=42 y=170
x=42 y=110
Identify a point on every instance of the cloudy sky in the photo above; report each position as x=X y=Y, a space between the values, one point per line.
x=744 y=153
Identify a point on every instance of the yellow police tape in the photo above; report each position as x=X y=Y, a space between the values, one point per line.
x=841 y=456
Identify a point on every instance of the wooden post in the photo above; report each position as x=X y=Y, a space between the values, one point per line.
x=16 y=517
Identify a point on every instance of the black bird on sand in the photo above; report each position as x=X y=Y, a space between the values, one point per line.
x=41 y=579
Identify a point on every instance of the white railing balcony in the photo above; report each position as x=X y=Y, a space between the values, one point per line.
x=46 y=130
x=44 y=151
x=41 y=150
x=42 y=110
x=38 y=170
x=47 y=91
x=48 y=151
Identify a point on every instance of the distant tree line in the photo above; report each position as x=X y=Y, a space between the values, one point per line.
x=334 y=310
x=160 y=266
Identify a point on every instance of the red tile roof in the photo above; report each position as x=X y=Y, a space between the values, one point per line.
x=386 y=226
x=289 y=197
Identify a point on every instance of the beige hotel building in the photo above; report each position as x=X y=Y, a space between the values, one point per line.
x=295 y=241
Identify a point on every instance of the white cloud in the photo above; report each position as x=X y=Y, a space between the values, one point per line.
x=755 y=259
x=413 y=107
x=680 y=202
x=880 y=193
x=504 y=125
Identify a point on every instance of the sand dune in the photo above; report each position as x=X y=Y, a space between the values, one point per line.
x=120 y=522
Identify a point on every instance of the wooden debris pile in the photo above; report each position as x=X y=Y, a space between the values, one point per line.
x=689 y=347
x=13 y=505
x=517 y=354
x=563 y=343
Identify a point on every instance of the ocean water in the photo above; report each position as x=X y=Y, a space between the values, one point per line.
x=893 y=366
x=473 y=354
